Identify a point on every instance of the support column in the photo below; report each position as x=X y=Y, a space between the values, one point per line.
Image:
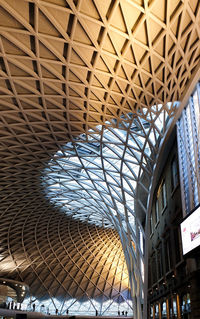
x=178 y=306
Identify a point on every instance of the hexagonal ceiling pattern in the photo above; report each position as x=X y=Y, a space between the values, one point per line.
x=105 y=76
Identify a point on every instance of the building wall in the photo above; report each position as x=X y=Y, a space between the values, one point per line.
x=169 y=284
x=188 y=134
x=174 y=279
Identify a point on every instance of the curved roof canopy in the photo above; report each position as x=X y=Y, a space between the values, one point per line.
x=87 y=89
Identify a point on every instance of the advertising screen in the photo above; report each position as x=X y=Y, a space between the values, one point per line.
x=190 y=231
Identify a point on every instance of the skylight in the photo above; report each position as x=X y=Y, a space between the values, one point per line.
x=94 y=177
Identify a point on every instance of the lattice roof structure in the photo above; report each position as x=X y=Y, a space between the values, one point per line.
x=88 y=89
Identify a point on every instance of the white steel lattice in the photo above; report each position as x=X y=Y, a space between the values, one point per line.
x=94 y=176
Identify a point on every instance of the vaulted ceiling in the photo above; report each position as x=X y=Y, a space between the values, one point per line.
x=70 y=70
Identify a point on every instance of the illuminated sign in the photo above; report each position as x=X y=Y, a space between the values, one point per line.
x=190 y=231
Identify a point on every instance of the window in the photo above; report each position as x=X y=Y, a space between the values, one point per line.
x=164 y=309
x=174 y=173
x=159 y=261
x=177 y=247
x=151 y=312
x=164 y=196
x=185 y=304
x=168 y=255
x=151 y=224
x=175 y=307
x=156 y=211
x=153 y=268
x=157 y=311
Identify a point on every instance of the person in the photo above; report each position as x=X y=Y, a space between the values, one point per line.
x=96 y=312
x=56 y=311
x=126 y=313
x=118 y=313
x=33 y=307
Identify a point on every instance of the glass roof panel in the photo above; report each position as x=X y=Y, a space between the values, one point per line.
x=94 y=168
